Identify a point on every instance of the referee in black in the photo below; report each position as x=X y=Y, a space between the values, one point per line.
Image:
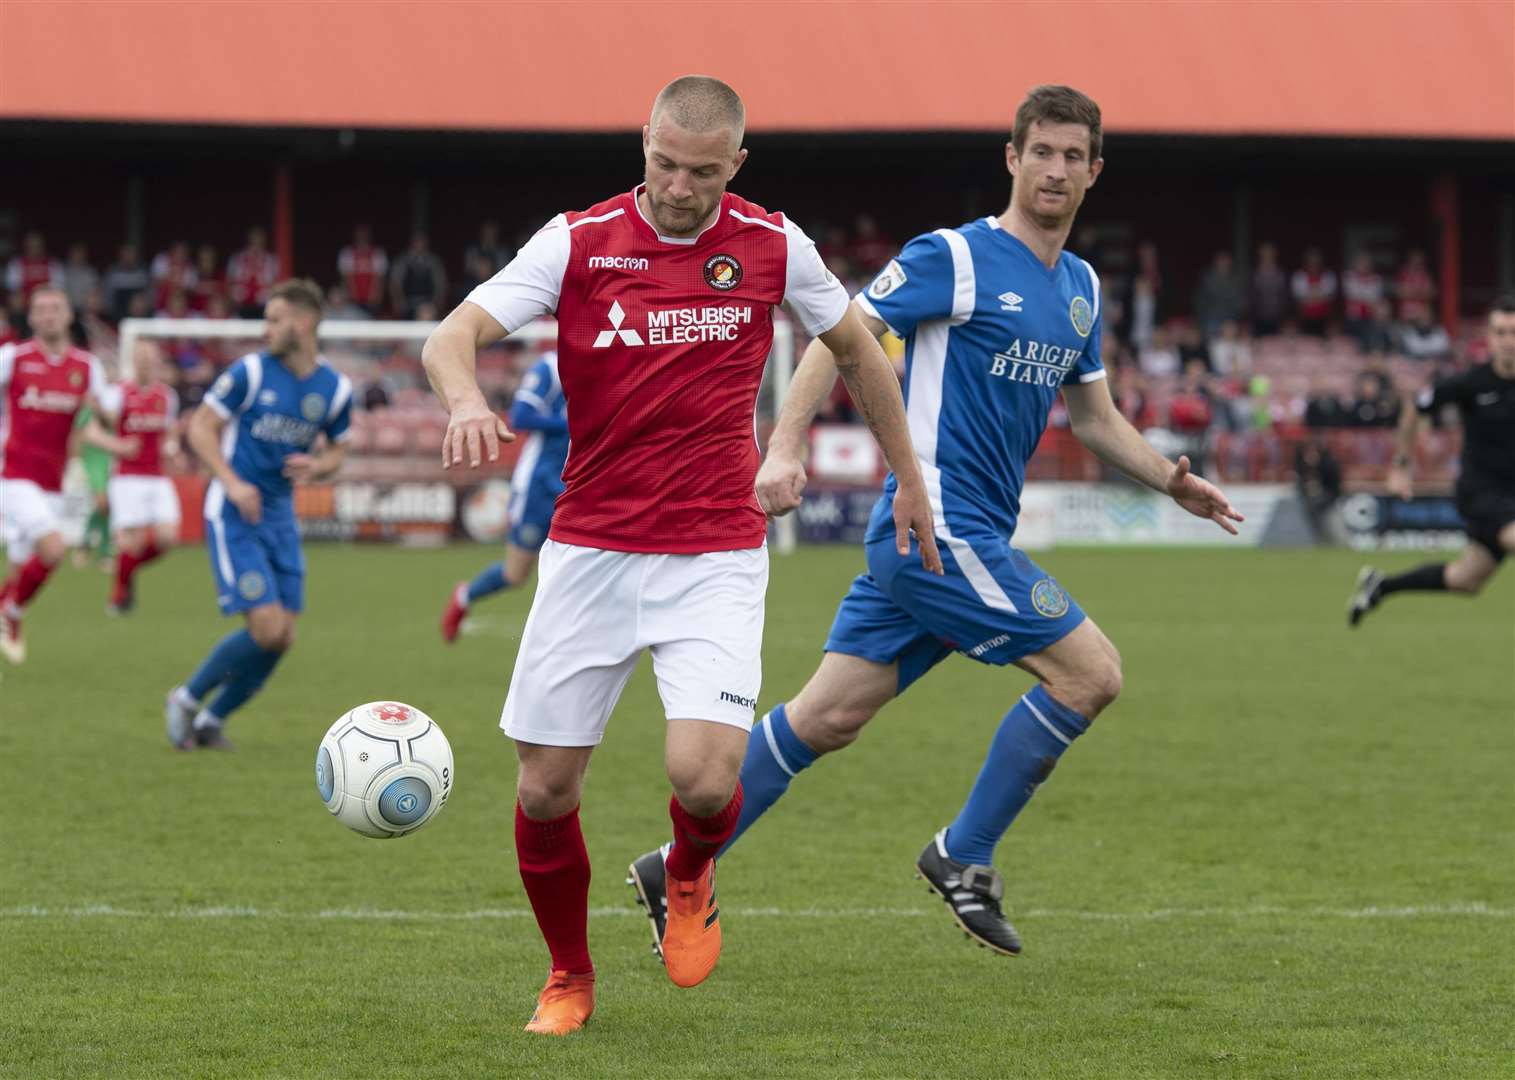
x=1485 y=398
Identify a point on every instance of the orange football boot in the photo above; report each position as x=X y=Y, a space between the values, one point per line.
x=564 y=1005
x=692 y=938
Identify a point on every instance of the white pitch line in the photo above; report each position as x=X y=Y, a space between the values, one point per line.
x=1473 y=909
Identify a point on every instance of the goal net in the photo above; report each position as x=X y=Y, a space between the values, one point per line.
x=393 y=486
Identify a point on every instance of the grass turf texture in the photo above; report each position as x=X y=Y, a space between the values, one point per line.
x=1288 y=851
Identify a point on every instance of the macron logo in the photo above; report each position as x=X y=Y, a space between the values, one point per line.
x=617 y=317
x=617 y=262
x=1009 y=301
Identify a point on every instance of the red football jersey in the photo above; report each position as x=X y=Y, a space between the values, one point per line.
x=250 y=275
x=147 y=412
x=661 y=347
x=43 y=394
x=365 y=269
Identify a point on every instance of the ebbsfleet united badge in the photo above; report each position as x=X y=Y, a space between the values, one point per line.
x=1048 y=598
x=723 y=272
x=251 y=585
x=313 y=407
x=1082 y=315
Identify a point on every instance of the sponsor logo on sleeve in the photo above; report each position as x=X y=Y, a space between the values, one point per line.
x=890 y=278
x=223 y=385
x=1048 y=597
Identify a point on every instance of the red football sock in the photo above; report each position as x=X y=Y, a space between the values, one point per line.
x=128 y=564
x=28 y=580
x=696 y=840
x=555 y=871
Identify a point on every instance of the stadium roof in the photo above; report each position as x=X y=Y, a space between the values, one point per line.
x=1369 y=68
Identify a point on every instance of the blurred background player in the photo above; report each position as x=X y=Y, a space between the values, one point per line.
x=664 y=299
x=95 y=542
x=144 y=505
x=46 y=381
x=976 y=416
x=257 y=432
x=536 y=483
x=1484 y=397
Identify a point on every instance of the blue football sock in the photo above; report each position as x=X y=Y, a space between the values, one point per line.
x=1029 y=741
x=231 y=653
x=775 y=755
x=491 y=579
x=246 y=681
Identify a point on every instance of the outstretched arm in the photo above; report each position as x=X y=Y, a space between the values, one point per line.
x=1100 y=426
x=1404 y=444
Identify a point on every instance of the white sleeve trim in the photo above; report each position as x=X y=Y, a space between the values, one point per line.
x=110 y=398
x=340 y=398
x=531 y=284
x=1092 y=376
x=866 y=307
x=217 y=406
x=812 y=292
x=173 y=403
x=964 y=284
x=98 y=383
x=1094 y=278
x=7 y=362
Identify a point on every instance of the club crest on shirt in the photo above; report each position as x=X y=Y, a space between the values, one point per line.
x=312 y=407
x=75 y=379
x=890 y=278
x=1082 y=315
x=1048 y=598
x=251 y=585
x=723 y=272
x=223 y=385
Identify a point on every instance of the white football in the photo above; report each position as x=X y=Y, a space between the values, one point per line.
x=384 y=769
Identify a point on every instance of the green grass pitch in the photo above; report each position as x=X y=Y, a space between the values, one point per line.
x=1287 y=851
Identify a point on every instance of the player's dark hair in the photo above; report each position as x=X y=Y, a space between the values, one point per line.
x=700 y=103
x=1058 y=105
x=300 y=291
x=1504 y=304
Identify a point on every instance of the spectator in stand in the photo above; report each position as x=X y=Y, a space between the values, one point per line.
x=1376 y=404
x=1219 y=298
x=1231 y=352
x=79 y=277
x=1414 y=289
x=418 y=278
x=477 y=269
x=251 y=274
x=1269 y=293
x=1317 y=477
x=1377 y=336
x=173 y=271
x=126 y=278
x=218 y=307
x=1131 y=397
x=1324 y=408
x=1191 y=346
x=1362 y=290
x=871 y=247
x=489 y=248
x=1314 y=289
x=1425 y=340
x=340 y=306
x=32 y=268
x=175 y=306
x=209 y=281
x=1143 y=311
x=1159 y=357
x=1191 y=413
x=364 y=268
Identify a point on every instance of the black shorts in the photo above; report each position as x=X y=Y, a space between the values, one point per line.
x=1484 y=515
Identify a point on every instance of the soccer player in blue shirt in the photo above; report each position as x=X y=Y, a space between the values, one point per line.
x=540 y=410
x=257 y=432
x=997 y=319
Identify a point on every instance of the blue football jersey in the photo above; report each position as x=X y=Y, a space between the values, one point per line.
x=271 y=414
x=990 y=336
x=541 y=393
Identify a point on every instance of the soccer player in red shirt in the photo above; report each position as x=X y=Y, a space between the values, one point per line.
x=45 y=382
x=664 y=300
x=144 y=505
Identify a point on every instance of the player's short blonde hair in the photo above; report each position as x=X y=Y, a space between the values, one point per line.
x=699 y=103
x=302 y=292
x=1058 y=105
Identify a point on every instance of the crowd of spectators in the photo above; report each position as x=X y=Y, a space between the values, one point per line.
x=1184 y=363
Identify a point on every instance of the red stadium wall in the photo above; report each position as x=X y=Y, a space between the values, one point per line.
x=1371 y=67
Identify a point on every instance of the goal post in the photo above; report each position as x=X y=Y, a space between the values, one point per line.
x=368 y=332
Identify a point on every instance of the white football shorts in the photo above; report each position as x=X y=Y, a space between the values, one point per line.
x=27 y=514
x=140 y=501
x=596 y=610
